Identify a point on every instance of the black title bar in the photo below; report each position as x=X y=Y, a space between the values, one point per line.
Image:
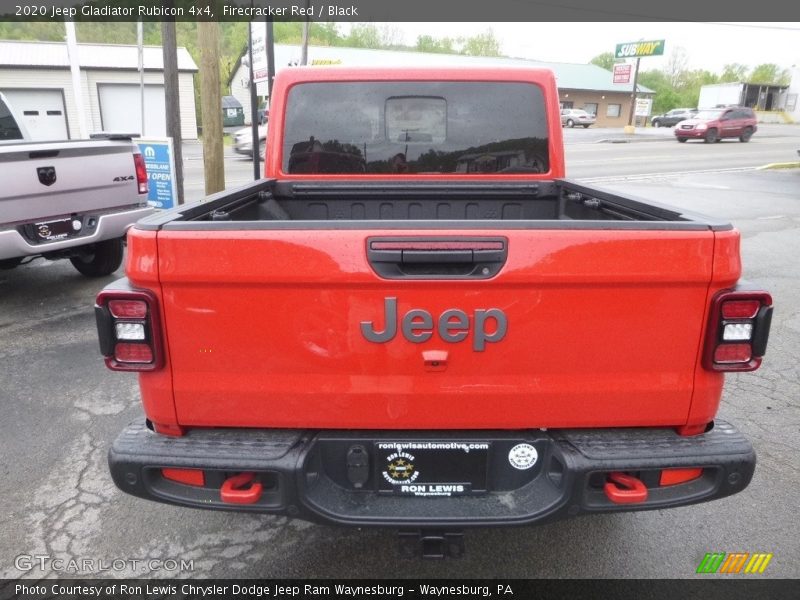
x=710 y=587
x=400 y=10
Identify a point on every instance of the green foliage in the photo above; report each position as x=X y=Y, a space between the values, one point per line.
x=676 y=86
x=364 y=35
x=666 y=97
x=427 y=43
x=769 y=73
x=733 y=72
x=483 y=44
x=605 y=60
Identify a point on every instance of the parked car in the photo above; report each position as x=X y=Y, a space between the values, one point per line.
x=71 y=199
x=243 y=140
x=576 y=116
x=714 y=124
x=673 y=117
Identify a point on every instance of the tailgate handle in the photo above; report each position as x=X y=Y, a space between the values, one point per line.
x=437 y=258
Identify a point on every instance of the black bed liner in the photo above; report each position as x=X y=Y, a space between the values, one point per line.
x=560 y=204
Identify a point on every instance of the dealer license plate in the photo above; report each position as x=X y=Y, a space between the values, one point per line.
x=53 y=230
x=427 y=468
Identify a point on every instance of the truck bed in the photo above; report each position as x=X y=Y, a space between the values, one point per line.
x=558 y=204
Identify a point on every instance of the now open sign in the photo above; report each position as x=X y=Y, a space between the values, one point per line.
x=160 y=162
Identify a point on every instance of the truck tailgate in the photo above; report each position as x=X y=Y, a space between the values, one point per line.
x=56 y=178
x=602 y=328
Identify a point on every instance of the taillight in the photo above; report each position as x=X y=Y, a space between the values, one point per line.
x=738 y=331
x=129 y=329
x=141 y=172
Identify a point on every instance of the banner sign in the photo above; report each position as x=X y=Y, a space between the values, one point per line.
x=160 y=162
x=634 y=49
x=622 y=73
x=258 y=31
x=643 y=107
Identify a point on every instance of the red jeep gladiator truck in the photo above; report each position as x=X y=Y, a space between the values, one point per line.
x=415 y=321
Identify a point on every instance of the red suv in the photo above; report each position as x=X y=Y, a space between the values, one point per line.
x=711 y=125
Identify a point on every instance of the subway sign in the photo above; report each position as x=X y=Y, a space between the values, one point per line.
x=636 y=49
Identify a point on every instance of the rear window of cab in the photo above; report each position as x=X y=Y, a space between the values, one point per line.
x=415 y=128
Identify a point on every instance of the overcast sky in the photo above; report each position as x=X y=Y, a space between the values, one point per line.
x=708 y=45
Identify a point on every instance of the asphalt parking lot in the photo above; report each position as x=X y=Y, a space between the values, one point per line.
x=61 y=409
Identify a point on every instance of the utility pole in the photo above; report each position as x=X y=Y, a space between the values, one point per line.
x=172 y=106
x=211 y=105
x=253 y=107
x=140 y=48
x=304 y=42
x=633 y=95
x=75 y=70
x=270 y=57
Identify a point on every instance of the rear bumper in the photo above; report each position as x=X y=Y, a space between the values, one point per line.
x=109 y=226
x=690 y=133
x=305 y=474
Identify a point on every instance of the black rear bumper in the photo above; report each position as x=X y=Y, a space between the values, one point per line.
x=308 y=474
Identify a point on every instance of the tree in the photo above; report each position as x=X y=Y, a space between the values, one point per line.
x=233 y=41
x=733 y=72
x=666 y=96
x=483 y=44
x=363 y=35
x=676 y=67
x=605 y=61
x=427 y=43
x=324 y=34
x=390 y=37
x=769 y=73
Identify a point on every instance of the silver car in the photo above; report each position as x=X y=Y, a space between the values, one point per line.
x=576 y=116
x=243 y=141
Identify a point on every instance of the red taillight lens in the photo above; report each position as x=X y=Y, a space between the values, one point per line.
x=740 y=309
x=732 y=353
x=141 y=172
x=738 y=330
x=125 y=352
x=128 y=309
x=129 y=328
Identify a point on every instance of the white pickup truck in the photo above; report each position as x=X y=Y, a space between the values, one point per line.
x=68 y=199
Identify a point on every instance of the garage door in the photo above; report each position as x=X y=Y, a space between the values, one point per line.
x=41 y=111
x=121 y=108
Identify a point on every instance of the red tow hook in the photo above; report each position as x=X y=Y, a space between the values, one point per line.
x=632 y=491
x=241 y=489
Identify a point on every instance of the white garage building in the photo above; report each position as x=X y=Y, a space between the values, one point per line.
x=36 y=79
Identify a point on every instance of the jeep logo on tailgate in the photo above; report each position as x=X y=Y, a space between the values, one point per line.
x=453 y=326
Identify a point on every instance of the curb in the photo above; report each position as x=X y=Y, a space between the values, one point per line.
x=783 y=165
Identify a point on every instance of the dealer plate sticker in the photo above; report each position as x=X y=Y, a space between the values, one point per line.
x=523 y=457
x=432 y=468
